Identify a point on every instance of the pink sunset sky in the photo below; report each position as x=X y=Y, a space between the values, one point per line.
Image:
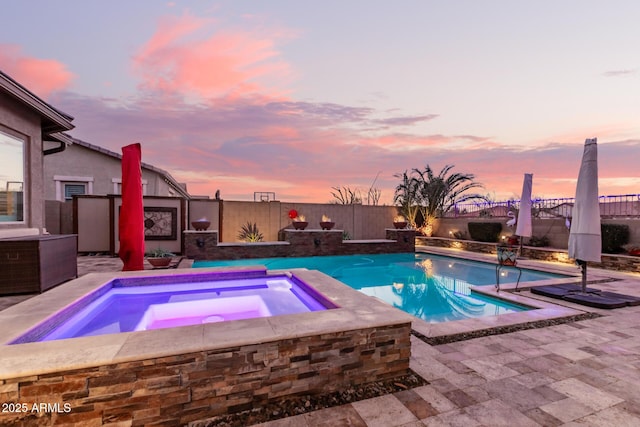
x=299 y=97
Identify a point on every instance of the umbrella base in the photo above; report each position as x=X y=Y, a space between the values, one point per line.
x=591 y=298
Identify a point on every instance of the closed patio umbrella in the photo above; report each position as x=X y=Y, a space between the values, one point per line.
x=131 y=222
x=584 y=236
x=523 y=227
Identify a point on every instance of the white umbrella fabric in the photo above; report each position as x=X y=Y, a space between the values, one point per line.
x=523 y=228
x=585 y=243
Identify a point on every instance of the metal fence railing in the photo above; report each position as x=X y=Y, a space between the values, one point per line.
x=619 y=206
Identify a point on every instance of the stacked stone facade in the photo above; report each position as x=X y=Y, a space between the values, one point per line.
x=182 y=388
x=203 y=245
x=609 y=262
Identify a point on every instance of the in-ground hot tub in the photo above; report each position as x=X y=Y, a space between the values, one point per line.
x=180 y=374
x=145 y=303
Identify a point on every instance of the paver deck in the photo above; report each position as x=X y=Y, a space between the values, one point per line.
x=574 y=374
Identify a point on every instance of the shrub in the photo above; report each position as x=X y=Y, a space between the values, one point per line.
x=160 y=253
x=460 y=234
x=250 y=233
x=485 y=231
x=614 y=237
x=538 y=242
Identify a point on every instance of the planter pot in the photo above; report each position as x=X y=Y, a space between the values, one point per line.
x=300 y=225
x=400 y=225
x=159 y=262
x=327 y=225
x=506 y=256
x=200 y=225
x=513 y=240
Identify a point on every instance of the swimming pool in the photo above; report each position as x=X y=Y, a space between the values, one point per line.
x=433 y=288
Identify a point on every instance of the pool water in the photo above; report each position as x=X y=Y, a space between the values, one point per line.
x=136 y=304
x=431 y=287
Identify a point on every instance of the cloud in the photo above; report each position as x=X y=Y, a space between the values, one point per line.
x=213 y=109
x=620 y=73
x=300 y=150
x=406 y=121
x=189 y=54
x=41 y=76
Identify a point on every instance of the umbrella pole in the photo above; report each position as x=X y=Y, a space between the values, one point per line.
x=520 y=251
x=583 y=267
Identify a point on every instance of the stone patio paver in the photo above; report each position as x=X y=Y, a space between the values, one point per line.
x=436 y=399
x=393 y=412
x=496 y=413
x=586 y=394
x=577 y=374
x=567 y=410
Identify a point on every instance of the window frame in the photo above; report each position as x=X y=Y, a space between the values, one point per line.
x=117 y=186
x=62 y=180
x=66 y=185
x=23 y=139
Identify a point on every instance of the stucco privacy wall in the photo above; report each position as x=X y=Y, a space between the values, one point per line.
x=96 y=222
x=92 y=222
x=18 y=121
x=361 y=222
x=58 y=217
x=204 y=208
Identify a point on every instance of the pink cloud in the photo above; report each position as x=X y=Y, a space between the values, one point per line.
x=300 y=150
x=214 y=112
x=183 y=56
x=41 y=76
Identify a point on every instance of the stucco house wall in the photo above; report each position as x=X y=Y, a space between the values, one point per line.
x=26 y=117
x=96 y=171
x=100 y=171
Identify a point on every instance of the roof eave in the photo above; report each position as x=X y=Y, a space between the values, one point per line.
x=59 y=121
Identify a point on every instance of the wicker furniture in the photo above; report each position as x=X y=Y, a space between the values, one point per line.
x=36 y=263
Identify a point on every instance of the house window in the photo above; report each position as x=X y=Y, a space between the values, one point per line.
x=69 y=186
x=117 y=186
x=74 y=189
x=12 y=152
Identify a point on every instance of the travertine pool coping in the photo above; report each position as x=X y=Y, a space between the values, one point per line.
x=542 y=309
x=356 y=311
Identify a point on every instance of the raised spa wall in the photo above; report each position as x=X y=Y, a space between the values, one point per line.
x=141 y=378
x=204 y=245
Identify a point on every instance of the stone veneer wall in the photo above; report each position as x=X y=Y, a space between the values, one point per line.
x=178 y=389
x=203 y=245
x=609 y=261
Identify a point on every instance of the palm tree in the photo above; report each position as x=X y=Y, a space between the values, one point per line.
x=440 y=193
x=406 y=197
x=434 y=195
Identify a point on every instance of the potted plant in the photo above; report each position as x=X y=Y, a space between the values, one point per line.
x=506 y=254
x=300 y=222
x=326 y=223
x=513 y=240
x=160 y=257
x=399 y=222
x=250 y=233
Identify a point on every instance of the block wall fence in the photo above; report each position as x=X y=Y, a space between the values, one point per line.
x=94 y=221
